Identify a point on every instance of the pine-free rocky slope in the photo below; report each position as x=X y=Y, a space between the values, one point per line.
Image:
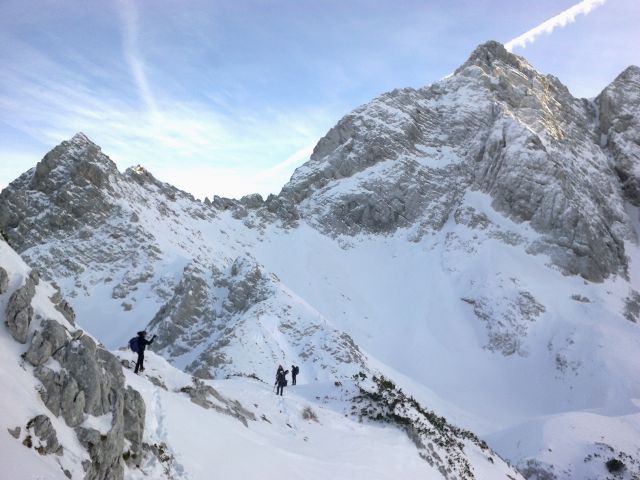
x=475 y=240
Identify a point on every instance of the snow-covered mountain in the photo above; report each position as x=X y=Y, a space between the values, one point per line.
x=475 y=241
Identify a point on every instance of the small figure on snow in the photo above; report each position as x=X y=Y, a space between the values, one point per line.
x=139 y=344
x=294 y=373
x=281 y=379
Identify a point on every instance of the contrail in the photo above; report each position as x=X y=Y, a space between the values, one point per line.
x=560 y=20
x=132 y=55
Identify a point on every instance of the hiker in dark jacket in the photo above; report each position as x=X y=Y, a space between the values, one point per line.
x=281 y=379
x=142 y=344
x=294 y=373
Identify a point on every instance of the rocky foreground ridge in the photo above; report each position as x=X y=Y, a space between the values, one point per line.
x=78 y=381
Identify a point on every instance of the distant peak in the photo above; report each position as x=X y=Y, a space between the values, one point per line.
x=489 y=53
x=627 y=80
x=632 y=72
x=80 y=138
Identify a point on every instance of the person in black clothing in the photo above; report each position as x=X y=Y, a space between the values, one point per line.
x=281 y=379
x=142 y=344
x=294 y=373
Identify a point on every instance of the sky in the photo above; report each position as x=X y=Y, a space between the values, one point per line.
x=229 y=97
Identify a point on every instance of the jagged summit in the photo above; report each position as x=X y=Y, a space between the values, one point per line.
x=407 y=159
x=619 y=129
x=487 y=55
x=629 y=74
x=77 y=160
x=81 y=139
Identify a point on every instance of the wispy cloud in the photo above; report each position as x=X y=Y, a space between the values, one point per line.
x=561 y=20
x=131 y=50
x=230 y=151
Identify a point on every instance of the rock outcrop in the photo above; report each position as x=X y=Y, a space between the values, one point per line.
x=619 y=128
x=221 y=313
x=20 y=312
x=79 y=379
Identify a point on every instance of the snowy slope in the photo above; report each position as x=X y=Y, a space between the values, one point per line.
x=476 y=241
x=193 y=429
x=280 y=442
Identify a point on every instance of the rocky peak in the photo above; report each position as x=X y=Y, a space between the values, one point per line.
x=70 y=187
x=406 y=159
x=622 y=96
x=491 y=55
x=78 y=160
x=630 y=76
x=149 y=182
x=619 y=128
x=81 y=139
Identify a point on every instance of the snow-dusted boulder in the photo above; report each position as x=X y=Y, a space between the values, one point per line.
x=20 y=312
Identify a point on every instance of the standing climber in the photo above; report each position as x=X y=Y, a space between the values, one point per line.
x=141 y=344
x=281 y=379
x=294 y=373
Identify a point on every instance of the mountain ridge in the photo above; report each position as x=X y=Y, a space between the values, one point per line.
x=474 y=238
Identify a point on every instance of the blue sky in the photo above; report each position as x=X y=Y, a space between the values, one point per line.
x=228 y=97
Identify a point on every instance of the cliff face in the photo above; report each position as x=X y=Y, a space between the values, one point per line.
x=619 y=129
x=406 y=159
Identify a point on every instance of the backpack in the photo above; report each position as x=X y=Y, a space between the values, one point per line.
x=295 y=370
x=134 y=344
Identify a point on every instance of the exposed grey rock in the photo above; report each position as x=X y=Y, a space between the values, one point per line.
x=536 y=469
x=62 y=395
x=34 y=276
x=90 y=381
x=252 y=201
x=246 y=285
x=202 y=395
x=86 y=380
x=44 y=431
x=15 y=432
x=283 y=208
x=619 y=128
x=72 y=402
x=67 y=311
x=580 y=298
x=20 y=312
x=4 y=280
x=222 y=203
x=105 y=452
x=45 y=342
x=134 y=414
x=189 y=307
x=507 y=321
x=213 y=310
x=632 y=306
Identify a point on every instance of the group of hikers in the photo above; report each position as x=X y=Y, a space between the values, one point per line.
x=139 y=343
x=281 y=378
